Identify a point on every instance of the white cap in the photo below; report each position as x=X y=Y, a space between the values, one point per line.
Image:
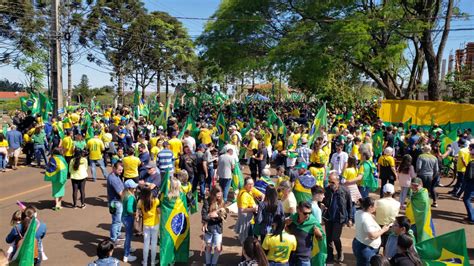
x=388 y=188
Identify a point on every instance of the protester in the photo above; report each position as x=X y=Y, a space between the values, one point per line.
x=318 y=196
x=78 y=174
x=368 y=233
x=288 y=198
x=148 y=205
x=56 y=173
x=339 y=159
x=400 y=226
x=165 y=159
x=39 y=144
x=3 y=152
x=426 y=168
x=115 y=192
x=225 y=167
x=406 y=172
x=129 y=209
x=366 y=175
x=151 y=180
x=469 y=186
x=462 y=162
x=268 y=210
x=105 y=249
x=386 y=168
x=338 y=201
x=279 y=243
x=96 y=147
x=406 y=256
x=130 y=166
x=15 y=140
x=247 y=207
x=212 y=224
x=253 y=253
x=419 y=211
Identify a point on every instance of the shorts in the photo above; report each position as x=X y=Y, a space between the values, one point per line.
x=213 y=238
x=14 y=152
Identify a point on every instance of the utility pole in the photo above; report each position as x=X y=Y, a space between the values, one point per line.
x=56 y=67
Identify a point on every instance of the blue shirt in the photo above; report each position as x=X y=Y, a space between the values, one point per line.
x=114 y=187
x=145 y=159
x=316 y=211
x=110 y=261
x=15 y=139
x=165 y=160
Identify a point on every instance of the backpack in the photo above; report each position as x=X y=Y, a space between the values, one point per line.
x=19 y=242
x=469 y=174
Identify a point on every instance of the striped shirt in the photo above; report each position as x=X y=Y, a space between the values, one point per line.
x=165 y=160
x=304 y=153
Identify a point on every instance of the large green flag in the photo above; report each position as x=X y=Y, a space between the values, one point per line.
x=319 y=253
x=222 y=131
x=30 y=103
x=447 y=249
x=140 y=108
x=281 y=127
x=174 y=227
x=321 y=119
x=26 y=254
x=87 y=126
x=271 y=118
x=419 y=212
x=46 y=106
x=237 y=178
x=250 y=125
x=162 y=120
x=377 y=142
x=447 y=140
x=59 y=126
x=56 y=170
x=407 y=124
x=191 y=126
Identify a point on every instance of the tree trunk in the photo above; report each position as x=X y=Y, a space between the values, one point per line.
x=158 y=81
x=432 y=65
x=166 y=86
x=120 y=88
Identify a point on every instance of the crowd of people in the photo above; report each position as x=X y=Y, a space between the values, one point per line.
x=299 y=183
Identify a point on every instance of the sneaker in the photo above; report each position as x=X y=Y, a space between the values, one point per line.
x=133 y=249
x=130 y=258
x=118 y=244
x=340 y=258
x=434 y=205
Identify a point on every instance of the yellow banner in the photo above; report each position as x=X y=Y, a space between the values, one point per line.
x=424 y=112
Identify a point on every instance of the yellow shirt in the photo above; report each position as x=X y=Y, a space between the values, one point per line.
x=175 y=146
x=350 y=173
x=279 y=249
x=95 y=147
x=130 y=166
x=267 y=138
x=26 y=138
x=107 y=114
x=68 y=146
x=205 y=136
x=279 y=146
x=247 y=199
x=318 y=157
x=463 y=154
x=154 y=152
x=186 y=188
x=386 y=160
x=152 y=216
x=319 y=174
x=106 y=137
x=116 y=120
x=296 y=137
x=4 y=143
x=355 y=152
x=75 y=118
x=153 y=141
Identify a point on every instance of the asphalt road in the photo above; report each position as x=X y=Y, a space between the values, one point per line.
x=74 y=233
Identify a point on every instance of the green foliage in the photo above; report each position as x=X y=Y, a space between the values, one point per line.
x=9 y=105
x=459 y=89
x=33 y=65
x=6 y=85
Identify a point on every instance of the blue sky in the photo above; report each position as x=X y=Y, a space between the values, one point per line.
x=204 y=8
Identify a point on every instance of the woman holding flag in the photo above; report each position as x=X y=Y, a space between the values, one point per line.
x=56 y=172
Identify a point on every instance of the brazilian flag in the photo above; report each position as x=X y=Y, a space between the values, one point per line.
x=377 y=140
x=321 y=119
x=319 y=252
x=368 y=179
x=237 y=178
x=26 y=254
x=56 y=171
x=302 y=188
x=419 y=212
x=447 y=249
x=174 y=227
x=191 y=126
x=222 y=131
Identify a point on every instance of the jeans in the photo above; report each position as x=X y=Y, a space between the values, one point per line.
x=364 y=192
x=272 y=263
x=458 y=187
x=2 y=161
x=128 y=222
x=295 y=261
x=116 y=220
x=468 y=195
x=429 y=183
x=362 y=252
x=333 y=234
x=150 y=238
x=93 y=163
x=225 y=185
x=40 y=152
x=403 y=194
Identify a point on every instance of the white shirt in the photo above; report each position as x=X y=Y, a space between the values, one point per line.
x=386 y=209
x=191 y=142
x=365 y=224
x=338 y=160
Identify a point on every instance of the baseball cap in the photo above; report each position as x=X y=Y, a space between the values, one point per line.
x=302 y=165
x=130 y=184
x=416 y=180
x=388 y=188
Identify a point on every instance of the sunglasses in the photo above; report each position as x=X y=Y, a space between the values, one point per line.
x=307 y=213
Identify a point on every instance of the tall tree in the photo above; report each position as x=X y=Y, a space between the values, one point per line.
x=108 y=28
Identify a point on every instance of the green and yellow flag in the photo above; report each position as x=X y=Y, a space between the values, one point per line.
x=191 y=126
x=46 y=106
x=56 y=170
x=407 y=124
x=250 y=125
x=271 y=118
x=419 y=212
x=447 y=249
x=321 y=119
x=447 y=140
x=319 y=252
x=237 y=178
x=302 y=188
x=174 y=227
x=26 y=254
x=162 y=120
x=222 y=131
x=377 y=141
x=30 y=103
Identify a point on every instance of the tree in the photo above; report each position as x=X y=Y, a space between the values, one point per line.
x=458 y=88
x=82 y=91
x=6 y=85
x=107 y=28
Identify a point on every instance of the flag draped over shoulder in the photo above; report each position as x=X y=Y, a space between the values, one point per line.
x=250 y=125
x=26 y=253
x=377 y=141
x=55 y=170
x=222 y=131
x=447 y=249
x=237 y=178
x=319 y=252
x=419 y=212
x=302 y=188
x=174 y=227
x=321 y=119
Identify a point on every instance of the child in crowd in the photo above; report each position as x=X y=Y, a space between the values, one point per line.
x=16 y=220
x=318 y=196
x=129 y=210
x=105 y=249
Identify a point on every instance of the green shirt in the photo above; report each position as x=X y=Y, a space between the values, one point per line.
x=129 y=205
x=39 y=138
x=80 y=144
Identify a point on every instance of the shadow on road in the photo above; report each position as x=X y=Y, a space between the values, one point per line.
x=87 y=242
x=100 y=201
x=446 y=215
x=42 y=204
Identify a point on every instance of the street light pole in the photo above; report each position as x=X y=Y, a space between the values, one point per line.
x=56 y=68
